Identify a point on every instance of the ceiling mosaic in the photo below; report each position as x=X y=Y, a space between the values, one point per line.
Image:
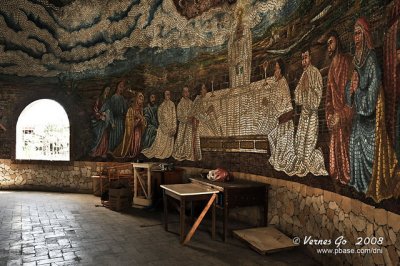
x=193 y=8
x=50 y=37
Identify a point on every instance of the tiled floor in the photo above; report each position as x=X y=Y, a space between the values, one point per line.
x=39 y=228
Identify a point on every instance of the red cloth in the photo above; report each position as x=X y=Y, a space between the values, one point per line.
x=339 y=161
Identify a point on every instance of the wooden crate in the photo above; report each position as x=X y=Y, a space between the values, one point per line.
x=119 y=199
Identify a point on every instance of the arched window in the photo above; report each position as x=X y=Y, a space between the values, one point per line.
x=43 y=132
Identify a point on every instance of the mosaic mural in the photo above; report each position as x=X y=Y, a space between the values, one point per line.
x=48 y=38
x=316 y=80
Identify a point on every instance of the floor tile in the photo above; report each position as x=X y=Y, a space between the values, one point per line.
x=38 y=228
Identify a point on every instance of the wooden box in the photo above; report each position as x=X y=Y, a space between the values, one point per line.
x=119 y=199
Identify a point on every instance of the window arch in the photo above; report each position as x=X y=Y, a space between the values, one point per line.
x=43 y=132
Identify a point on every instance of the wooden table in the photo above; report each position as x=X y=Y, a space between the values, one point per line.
x=237 y=193
x=189 y=192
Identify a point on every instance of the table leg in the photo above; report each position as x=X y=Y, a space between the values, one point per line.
x=149 y=192
x=225 y=220
x=182 y=220
x=191 y=212
x=165 y=211
x=266 y=207
x=213 y=219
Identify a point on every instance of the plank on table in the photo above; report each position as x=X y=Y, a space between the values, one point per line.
x=189 y=189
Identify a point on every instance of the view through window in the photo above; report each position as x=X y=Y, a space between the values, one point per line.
x=43 y=132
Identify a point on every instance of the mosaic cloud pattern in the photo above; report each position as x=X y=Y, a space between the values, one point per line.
x=42 y=39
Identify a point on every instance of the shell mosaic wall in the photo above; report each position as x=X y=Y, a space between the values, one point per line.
x=43 y=39
x=310 y=85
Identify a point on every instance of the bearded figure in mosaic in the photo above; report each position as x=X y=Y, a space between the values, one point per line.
x=280 y=110
x=187 y=143
x=118 y=108
x=163 y=144
x=308 y=94
x=338 y=114
x=150 y=113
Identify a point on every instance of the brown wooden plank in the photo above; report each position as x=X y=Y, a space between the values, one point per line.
x=199 y=219
x=265 y=239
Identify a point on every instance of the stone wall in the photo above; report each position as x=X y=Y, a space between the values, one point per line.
x=302 y=211
x=73 y=177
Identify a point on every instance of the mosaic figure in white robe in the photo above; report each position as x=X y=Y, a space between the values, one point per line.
x=187 y=143
x=280 y=112
x=163 y=144
x=308 y=95
x=204 y=112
